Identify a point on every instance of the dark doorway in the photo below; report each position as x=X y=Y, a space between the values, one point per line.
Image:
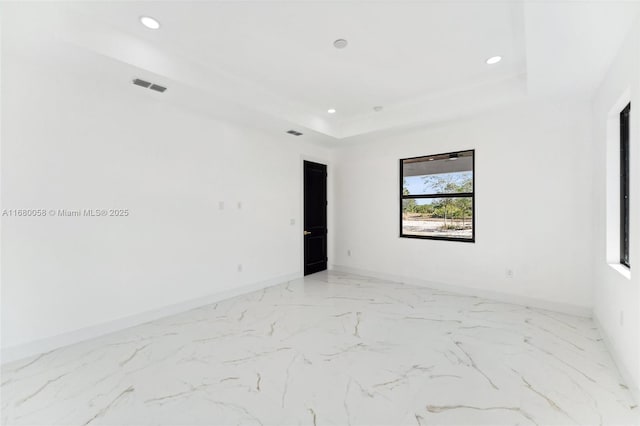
x=315 y=217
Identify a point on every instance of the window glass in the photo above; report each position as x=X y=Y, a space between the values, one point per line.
x=437 y=199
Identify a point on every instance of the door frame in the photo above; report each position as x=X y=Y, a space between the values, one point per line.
x=300 y=227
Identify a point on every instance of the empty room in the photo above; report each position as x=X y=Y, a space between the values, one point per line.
x=350 y=213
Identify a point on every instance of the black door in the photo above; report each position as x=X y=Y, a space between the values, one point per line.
x=315 y=217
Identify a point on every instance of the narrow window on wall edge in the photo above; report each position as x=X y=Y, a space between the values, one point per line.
x=624 y=186
x=437 y=197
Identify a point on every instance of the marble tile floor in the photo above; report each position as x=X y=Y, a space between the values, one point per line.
x=330 y=349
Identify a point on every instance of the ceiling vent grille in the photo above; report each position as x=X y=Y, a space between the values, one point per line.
x=149 y=85
x=141 y=83
x=294 y=133
x=157 y=88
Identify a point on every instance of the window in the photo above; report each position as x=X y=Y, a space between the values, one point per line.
x=624 y=186
x=437 y=197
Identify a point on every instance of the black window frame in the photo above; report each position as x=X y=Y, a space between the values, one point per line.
x=624 y=186
x=471 y=194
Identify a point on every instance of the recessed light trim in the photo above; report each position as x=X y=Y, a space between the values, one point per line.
x=377 y=108
x=150 y=22
x=331 y=110
x=340 y=43
x=494 y=60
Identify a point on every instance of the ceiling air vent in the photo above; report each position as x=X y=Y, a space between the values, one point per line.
x=294 y=133
x=157 y=88
x=141 y=83
x=149 y=85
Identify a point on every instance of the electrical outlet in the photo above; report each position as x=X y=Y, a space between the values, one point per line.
x=509 y=273
x=240 y=267
x=292 y=221
x=349 y=252
x=239 y=205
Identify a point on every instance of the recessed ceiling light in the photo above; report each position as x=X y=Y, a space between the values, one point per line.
x=377 y=108
x=340 y=43
x=149 y=22
x=331 y=111
x=494 y=60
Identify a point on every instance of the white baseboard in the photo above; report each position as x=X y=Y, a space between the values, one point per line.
x=634 y=388
x=14 y=353
x=566 y=308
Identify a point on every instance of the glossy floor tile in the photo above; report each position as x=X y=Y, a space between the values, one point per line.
x=332 y=349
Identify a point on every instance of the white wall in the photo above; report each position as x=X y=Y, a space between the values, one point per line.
x=533 y=201
x=70 y=141
x=617 y=298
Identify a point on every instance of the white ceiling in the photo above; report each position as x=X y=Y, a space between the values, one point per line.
x=423 y=61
